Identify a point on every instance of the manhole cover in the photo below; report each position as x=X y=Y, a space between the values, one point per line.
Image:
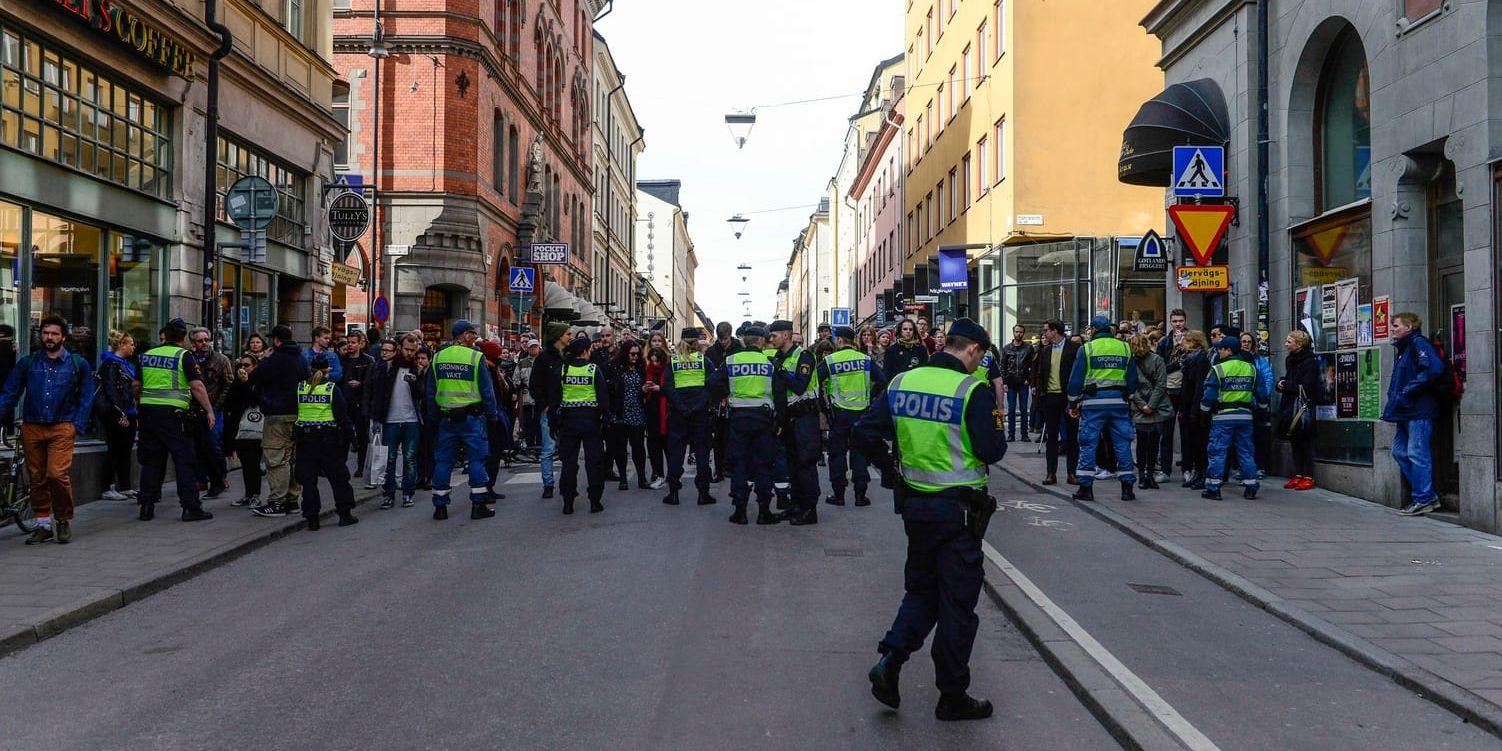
x=843 y=552
x=1155 y=589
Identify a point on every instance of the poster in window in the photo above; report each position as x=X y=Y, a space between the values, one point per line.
x=1381 y=313
x=1346 y=390
x=1326 y=408
x=1345 y=302
x=1327 y=307
x=1457 y=340
x=1304 y=300
x=1364 y=325
x=1369 y=384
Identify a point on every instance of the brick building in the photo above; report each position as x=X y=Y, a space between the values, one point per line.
x=472 y=104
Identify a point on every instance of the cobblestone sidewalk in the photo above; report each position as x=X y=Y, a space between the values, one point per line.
x=1416 y=598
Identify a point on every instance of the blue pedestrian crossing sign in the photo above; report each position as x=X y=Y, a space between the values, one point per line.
x=839 y=316
x=522 y=279
x=1199 y=171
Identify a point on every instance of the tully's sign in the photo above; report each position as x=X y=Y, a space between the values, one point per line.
x=118 y=22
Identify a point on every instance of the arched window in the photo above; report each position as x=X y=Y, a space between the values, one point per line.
x=513 y=168
x=1343 y=125
x=498 y=153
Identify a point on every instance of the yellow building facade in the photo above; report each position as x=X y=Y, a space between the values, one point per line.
x=1013 y=128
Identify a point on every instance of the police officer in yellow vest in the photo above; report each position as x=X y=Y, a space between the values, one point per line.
x=579 y=416
x=801 y=441
x=946 y=428
x=324 y=431
x=169 y=383
x=749 y=382
x=849 y=381
x=461 y=399
x=1104 y=377
x=1230 y=390
x=690 y=421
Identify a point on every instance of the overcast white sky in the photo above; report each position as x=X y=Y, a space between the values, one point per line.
x=689 y=62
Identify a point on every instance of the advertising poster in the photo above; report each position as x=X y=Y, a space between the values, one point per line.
x=1326 y=335
x=1369 y=384
x=1345 y=303
x=1345 y=385
x=1327 y=374
x=1303 y=309
x=1457 y=339
x=1364 y=325
x=1381 y=313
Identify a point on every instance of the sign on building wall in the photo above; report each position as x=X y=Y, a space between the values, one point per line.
x=1199 y=171
x=113 y=19
x=550 y=253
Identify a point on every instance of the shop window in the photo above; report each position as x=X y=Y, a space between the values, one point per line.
x=133 y=272
x=1418 y=10
x=61 y=110
x=237 y=160
x=1343 y=130
x=65 y=278
x=10 y=251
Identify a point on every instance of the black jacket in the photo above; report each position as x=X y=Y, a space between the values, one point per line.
x=1301 y=368
x=546 y=381
x=379 y=381
x=1017 y=364
x=116 y=393
x=275 y=379
x=718 y=352
x=355 y=368
x=1042 y=365
x=901 y=358
x=238 y=399
x=616 y=384
x=1196 y=367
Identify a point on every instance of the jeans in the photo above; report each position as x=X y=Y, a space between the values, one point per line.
x=1017 y=408
x=1411 y=450
x=549 y=449
x=401 y=436
x=1165 y=443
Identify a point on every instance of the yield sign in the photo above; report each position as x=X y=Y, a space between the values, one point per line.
x=1326 y=242
x=1201 y=228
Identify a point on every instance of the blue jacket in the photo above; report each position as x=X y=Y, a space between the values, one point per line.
x=336 y=371
x=1263 y=391
x=1417 y=366
x=1077 y=378
x=487 y=393
x=56 y=390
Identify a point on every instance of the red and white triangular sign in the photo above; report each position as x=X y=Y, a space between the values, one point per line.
x=1201 y=228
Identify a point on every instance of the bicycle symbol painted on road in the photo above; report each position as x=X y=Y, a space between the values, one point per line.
x=1036 y=508
x=1041 y=508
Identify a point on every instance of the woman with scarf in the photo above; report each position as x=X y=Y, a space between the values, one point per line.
x=115 y=409
x=906 y=353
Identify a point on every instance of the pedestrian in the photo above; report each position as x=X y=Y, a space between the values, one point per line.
x=1417 y=372
x=428 y=435
x=906 y=353
x=866 y=343
x=115 y=407
x=275 y=382
x=256 y=345
x=324 y=431
x=396 y=401
x=1301 y=381
x=850 y=380
x=629 y=414
x=749 y=383
x=1170 y=347
x=375 y=338
x=1051 y=371
x=656 y=405
x=821 y=333
x=1100 y=386
x=946 y=427
x=1151 y=408
x=498 y=431
x=214 y=368
x=355 y=365
x=883 y=340
x=55 y=390
x=244 y=427
x=545 y=382
x=578 y=417
x=320 y=343
x=1262 y=421
x=689 y=418
x=461 y=401
x=1016 y=369
x=529 y=425
x=1231 y=390
x=926 y=335
x=1194 y=423
x=799 y=430
x=724 y=346
x=170 y=383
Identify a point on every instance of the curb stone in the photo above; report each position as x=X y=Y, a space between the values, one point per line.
x=1462 y=702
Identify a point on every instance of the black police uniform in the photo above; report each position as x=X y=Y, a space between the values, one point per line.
x=801 y=439
x=690 y=426
x=752 y=446
x=323 y=450
x=166 y=432
x=582 y=427
x=843 y=457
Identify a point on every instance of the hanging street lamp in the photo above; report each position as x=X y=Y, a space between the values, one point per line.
x=740 y=125
x=738 y=224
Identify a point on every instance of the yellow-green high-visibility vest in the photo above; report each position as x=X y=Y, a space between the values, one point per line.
x=1106 y=362
x=790 y=364
x=750 y=379
x=849 y=382
x=164 y=377
x=688 y=373
x=456 y=377
x=928 y=411
x=579 y=385
x=315 y=404
x=1236 y=378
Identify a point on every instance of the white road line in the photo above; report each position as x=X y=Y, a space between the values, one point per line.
x=1189 y=735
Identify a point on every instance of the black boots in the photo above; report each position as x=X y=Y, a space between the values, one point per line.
x=1250 y=492
x=595 y=506
x=962 y=707
x=862 y=500
x=1148 y=483
x=568 y=505
x=784 y=500
x=547 y=492
x=478 y=510
x=838 y=499
x=884 y=677
x=764 y=515
x=1126 y=492
x=440 y=513
x=804 y=518
x=1211 y=494
x=671 y=498
x=739 y=516
x=347 y=519
x=1084 y=493
x=148 y=512
x=196 y=515
x=314 y=524
x=705 y=499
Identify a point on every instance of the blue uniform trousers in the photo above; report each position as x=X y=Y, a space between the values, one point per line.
x=1109 y=423
x=751 y=447
x=575 y=432
x=942 y=579
x=323 y=452
x=840 y=423
x=470 y=433
x=164 y=434
x=687 y=432
x=1225 y=436
x=802 y=442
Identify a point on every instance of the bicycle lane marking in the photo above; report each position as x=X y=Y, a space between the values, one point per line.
x=1161 y=710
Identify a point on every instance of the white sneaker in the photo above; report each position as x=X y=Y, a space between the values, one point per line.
x=114 y=495
x=659 y=482
x=1104 y=474
x=1160 y=477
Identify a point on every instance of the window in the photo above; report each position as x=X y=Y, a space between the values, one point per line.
x=341 y=114
x=1001 y=28
x=514 y=162
x=982 y=46
x=1414 y=10
x=939 y=218
x=949 y=112
x=928 y=34
x=910 y=231
x=1000 y=147
x=65 y=276
x=965 y=75
x=61 y=110
x=980 y=173
x=943 y=108
x=965 y=183
x=237 y=160
x=133 y=308
x=341 y=4
x=954 y=194
x=1343 y=130
x=293 y=19
x=498 y=153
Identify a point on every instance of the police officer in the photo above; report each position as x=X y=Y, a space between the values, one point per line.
x=324 y=431
x=780 y=484
x=580 y=412
x=1229 y=393
x=800 y=423
x=169 y=383
x=461 y=398
x=947 y=428
x=750 y=381
x=690 y=421
x=849 y=380
x=1104 y=376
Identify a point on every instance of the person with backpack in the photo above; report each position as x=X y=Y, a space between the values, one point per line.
x=1417 y=373
x=115 y=409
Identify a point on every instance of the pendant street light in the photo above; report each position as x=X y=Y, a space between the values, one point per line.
x=738 y=224
x=740 y=125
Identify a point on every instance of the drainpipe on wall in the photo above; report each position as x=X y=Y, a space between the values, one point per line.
x=210 y=161
x=1264 y=231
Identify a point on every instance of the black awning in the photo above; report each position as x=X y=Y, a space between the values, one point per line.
x=1184 y=114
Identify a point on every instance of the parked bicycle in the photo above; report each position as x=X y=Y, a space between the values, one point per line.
x=15 y=496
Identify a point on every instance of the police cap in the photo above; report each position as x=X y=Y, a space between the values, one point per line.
x=692 y=332
x=578 y=346
x=320 y=361
x=970 y=330
x=844 y=332
x=1100 y=323
x=780 y=326
x=461 y=327
x=1230 y=343
x=754 y=331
